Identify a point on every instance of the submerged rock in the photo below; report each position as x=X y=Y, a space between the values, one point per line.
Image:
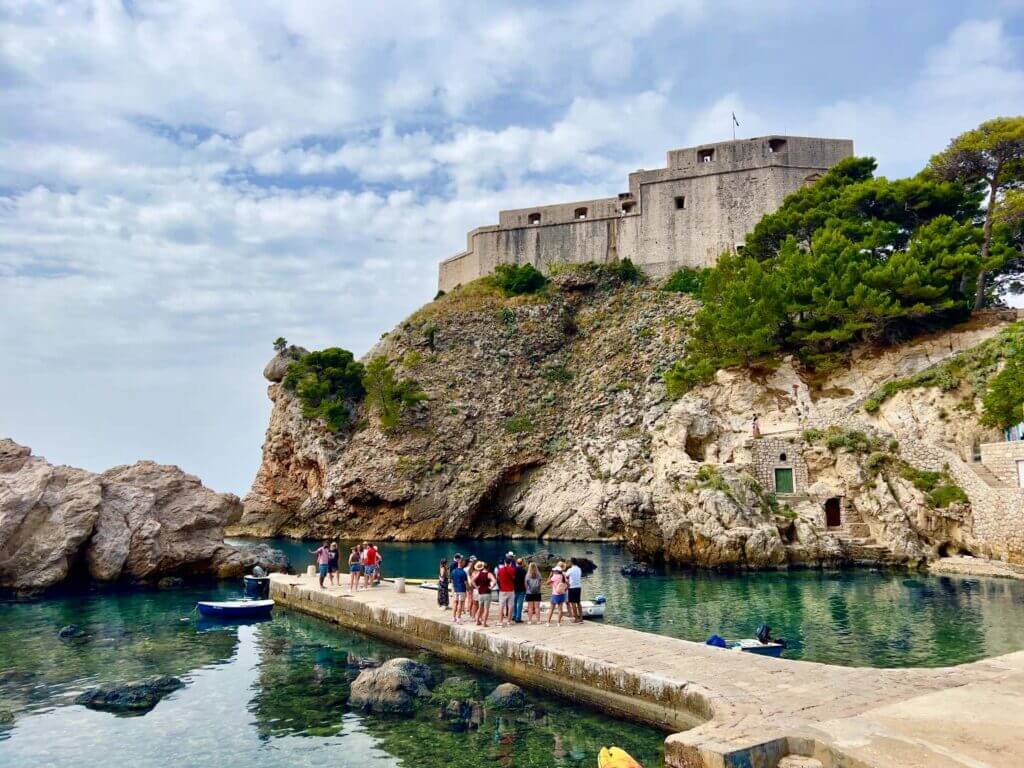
x=637 y=569
x=392 y=688
x=70 y=632
x=507 y=696
x=135 y=698
x=171 y=582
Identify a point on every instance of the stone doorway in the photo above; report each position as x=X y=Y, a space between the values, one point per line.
x=833 y=513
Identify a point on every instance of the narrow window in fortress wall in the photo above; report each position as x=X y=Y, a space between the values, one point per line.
x=628 y=207
x=580 y=213
x=533 y=218
x=705 y=155
x=776 y=145
x=680 y=202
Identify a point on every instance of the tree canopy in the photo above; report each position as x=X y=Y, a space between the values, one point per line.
x=849 y=259
x=388 y=394
x=992 y=155
x=328 y=383
x=1003 y=403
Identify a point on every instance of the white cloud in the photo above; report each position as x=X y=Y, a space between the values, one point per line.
x=181 y=182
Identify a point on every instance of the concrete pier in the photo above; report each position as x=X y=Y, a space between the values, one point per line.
x=723 y=709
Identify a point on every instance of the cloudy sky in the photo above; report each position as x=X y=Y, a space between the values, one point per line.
x=181 y=182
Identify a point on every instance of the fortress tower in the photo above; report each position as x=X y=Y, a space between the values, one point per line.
x=703 y=203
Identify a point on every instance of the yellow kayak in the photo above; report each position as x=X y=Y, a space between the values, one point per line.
x=613 y=757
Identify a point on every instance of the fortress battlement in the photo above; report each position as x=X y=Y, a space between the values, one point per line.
x=702 y=203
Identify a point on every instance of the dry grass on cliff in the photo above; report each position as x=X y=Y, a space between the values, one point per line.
x=477 y=296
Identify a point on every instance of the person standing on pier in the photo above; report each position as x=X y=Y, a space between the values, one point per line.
x=332 y=564
x=370 y=558
x=533 y=585
x=559 y=586
x=442 y=584
x=323 y=559
x=485 y=583
x=506 y=591
x=355 y=568
x=460 y=582
x=517 y=611
x=574 y=576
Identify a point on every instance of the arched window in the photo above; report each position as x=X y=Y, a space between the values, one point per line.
x=580 y=213
x=533 y=218
x=776 y=145
x=782 y=457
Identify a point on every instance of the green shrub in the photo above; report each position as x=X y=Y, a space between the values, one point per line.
x=328 y=383
x=518 y=425
x=388 y=395
x=852 y=440
x=687 y=280
x=876 y=462
x=813 y=436
x=1003 y=403
x=945 y=495
x=558 y=374
x=708 y=476
x=517 y=280
x=625 y=270
x=280 y=344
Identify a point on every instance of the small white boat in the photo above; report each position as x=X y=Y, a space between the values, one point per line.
x=235 y=609
x=752 y=645
x=592 y=609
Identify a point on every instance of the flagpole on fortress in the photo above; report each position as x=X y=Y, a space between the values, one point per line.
x=735 y=122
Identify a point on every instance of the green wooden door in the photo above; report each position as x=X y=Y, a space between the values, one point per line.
x=783 y=480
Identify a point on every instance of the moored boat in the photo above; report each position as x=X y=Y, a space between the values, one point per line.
x=235 y=609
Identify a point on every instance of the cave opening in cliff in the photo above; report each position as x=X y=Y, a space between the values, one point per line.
x=694 y=447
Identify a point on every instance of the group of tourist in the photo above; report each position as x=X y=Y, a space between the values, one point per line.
x=363 y=565
x=515 y=585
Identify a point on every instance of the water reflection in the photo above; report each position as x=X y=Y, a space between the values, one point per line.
x=268 y=694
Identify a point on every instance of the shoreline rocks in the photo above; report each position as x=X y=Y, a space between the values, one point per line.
x=131 y=524
x=136 y=698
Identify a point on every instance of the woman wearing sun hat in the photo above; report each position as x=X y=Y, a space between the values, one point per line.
x=485 y=585
x=559 y=588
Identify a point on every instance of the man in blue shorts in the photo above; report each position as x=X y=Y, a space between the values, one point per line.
x=460 y=584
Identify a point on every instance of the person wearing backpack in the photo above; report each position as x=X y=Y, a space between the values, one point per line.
x=559 y=588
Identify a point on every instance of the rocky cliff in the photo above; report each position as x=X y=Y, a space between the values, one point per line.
x=133 y=523
x=547 y=416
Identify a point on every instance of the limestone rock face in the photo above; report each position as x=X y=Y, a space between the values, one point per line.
x=276 y=369
x=134 y=523
x=547 y=416
x=391 y=688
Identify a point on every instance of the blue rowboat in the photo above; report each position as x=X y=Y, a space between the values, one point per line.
x=235 y=609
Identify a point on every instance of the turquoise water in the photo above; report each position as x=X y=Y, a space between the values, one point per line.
x=851 y=617
x=269 y=694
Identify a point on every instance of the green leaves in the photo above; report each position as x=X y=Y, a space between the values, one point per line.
x=515 y=280
x=851 y=259
x=328 y=383
x=1003 y=403
x=387 y=394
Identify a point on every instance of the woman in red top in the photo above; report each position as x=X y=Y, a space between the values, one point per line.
x=485 y=585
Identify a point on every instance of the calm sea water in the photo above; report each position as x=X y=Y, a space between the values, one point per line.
x=268 y=694
x=852 y=617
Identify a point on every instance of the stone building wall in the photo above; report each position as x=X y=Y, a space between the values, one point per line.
x=703 y=203
x=771 y=453
x=1001 y=460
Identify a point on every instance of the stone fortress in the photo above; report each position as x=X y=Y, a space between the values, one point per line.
x=704 y=202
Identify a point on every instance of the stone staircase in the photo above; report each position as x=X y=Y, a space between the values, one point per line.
x=855 y=539
x=986 y=476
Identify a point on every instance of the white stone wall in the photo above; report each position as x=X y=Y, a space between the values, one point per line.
x=1001 y=460
x=722 y=200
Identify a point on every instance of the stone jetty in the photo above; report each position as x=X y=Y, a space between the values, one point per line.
x=722 y=709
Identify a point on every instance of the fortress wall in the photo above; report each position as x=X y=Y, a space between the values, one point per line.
x=687 y=214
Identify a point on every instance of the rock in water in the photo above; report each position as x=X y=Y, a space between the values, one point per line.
x=391 y=688
x=136 y=698
x=171 y=582
x=131 y=523
x=70 y=632
x=637 y=569
x=507 y=696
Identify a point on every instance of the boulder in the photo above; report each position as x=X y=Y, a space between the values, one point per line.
x=276 y=369
x=70 y=632
x=135 y=698
x=131 y=523
x=507 y=696
x=392 y=688
x=457 y=689
x=171 y=582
